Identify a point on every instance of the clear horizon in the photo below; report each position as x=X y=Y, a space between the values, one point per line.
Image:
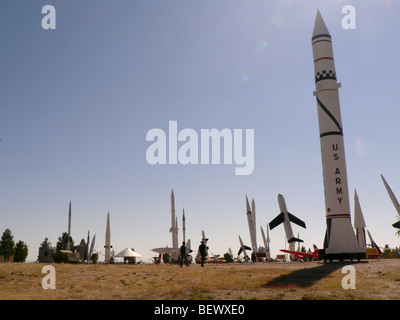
x=78 y=101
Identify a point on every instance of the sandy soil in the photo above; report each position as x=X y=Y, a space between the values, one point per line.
x=374 y=279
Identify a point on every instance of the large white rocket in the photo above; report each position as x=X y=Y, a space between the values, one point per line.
x=340 y=240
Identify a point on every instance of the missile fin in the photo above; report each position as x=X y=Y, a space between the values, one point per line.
x=295 y=239
x=277 y=221
x=296 y=220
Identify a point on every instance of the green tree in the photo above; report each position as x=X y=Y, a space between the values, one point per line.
x=228 y=257
x=46 y=243
x=21 y=251
x=63 y=241
x=386 y=252
x=7 y=244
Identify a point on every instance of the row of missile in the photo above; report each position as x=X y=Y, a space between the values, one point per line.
x=284 y=217
x=341 y=242
x=174 y=250
x=91 y=249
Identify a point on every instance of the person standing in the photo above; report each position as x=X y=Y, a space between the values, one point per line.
x=203 y=252
x=182 y=254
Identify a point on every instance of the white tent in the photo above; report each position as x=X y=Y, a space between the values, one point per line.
x=127 y=253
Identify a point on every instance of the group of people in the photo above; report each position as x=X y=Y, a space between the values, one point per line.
x=183 y=256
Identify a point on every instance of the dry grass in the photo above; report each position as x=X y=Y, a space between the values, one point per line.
x=308 y=280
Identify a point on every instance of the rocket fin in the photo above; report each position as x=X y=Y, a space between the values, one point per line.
x=296 y=220
x=277 y=221
x=280 y=218
x=295 y=239
x=241 y=249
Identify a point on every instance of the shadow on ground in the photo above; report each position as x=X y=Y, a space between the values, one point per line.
x=308 y=276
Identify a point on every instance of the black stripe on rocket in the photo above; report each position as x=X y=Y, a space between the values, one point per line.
x=330 y=115
x=321 y=36
x=325 y=75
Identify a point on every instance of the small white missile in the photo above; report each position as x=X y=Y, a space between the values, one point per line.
x=203 y=238
x=184 y=225
x=286 y=217
x=243 y=249
x=266 y=244
x=91 y=248
x=88 y=243
x=108 y=240
x=253 y=216
x=373 y=244
x=251 y=226
x=394 y=200
x=174 y=226
x=359 y=222
x=189 y=246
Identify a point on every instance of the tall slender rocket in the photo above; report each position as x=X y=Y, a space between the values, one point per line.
x=253 y=215
x=266 y=244
x=87 y=244
x=174 y=229
x=251 y=226
x=108 y=240
x=340 y=241
x=184 y=226
x=69 y=228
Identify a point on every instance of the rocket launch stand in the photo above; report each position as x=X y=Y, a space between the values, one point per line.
x=340 y=242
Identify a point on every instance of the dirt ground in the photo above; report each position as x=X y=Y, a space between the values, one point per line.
x=371 y=280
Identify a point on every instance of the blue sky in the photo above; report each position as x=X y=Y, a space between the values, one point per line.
x=78 y=101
